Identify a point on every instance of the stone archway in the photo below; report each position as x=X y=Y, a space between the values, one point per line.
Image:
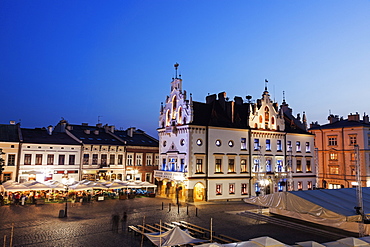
x=199 y=192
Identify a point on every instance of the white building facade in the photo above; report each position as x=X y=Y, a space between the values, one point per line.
x=225 y=150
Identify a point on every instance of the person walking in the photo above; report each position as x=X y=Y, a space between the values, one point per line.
x=124 y=220
x=115 y=222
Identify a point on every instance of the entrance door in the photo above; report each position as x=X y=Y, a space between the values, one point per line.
x=199 y=192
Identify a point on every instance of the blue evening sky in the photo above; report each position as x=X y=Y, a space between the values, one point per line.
x=83 y=59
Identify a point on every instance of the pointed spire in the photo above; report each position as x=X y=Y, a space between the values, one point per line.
x=284 y=98
x=266 y=81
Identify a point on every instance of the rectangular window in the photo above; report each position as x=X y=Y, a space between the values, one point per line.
x=256 y=166
x=299 y=166
x=352 y=140
x=120 y=159
x=308 y=148
x=353 y=170
x=199 y=166
x=332 y=140
x=256 y=144
x=334 y=169
x=279 y=147
x=163 y=164
x=61 y=159
x=218 y=166
x=353 y=157
x=11 y=160
x=112 y=158
x=243 y=143
x=218 y=189
x=156 y=160
x=244 y=189
x=243 y=166
x=38 y=159
x=309 y=185
x=231 y=189
x=368 y=140
x=279 y=166
x=231 y=167
x=289 y=146
x=139 y=159
x=95 y=159
x=104 y=159
x=268 y=165
x=300 y=185
x=72 y=158
x=148 y=177
x=130 y=159
x=50 y=159
x=298 y=146
x=268 y=145
x=171 y=164
x=308 y=166
x=333 y=156
x=149 y=159
x=86 y=159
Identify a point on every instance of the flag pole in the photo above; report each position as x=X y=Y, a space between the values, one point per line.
x=160 y=232
x=211 y=230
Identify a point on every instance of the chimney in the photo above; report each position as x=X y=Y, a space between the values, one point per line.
x=332 y=119
x=130 y=131
x=96 y=132
x=85 y=124
x=99 y=125
x=50 y=130
x=354 y=117
x=366 y=118
x=12 y=122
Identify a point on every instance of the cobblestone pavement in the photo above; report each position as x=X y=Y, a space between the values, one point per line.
x=90 y=224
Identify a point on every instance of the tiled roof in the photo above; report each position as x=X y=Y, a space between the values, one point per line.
x=42 y=136
x=139 y=138
x=9 y=133
x=96 y=136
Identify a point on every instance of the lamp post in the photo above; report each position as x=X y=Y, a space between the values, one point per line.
x=67 y=182
x=178 y=180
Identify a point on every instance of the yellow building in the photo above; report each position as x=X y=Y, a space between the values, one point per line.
x=341 y=145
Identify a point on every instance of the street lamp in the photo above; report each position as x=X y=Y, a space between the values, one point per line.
x=178 y=180
x=67 y=182
x=1 y=164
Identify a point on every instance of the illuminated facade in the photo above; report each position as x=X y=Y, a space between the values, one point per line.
x=336 y=144
x=9 y=143
x=224 y=149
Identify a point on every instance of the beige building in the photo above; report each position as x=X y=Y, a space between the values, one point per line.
x=341 y=145
x=9 y=143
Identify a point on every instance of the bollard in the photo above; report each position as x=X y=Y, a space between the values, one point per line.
x=178 y=208
x=169 y=207
x=162 y=206
x=187 y=209
x=196 y=212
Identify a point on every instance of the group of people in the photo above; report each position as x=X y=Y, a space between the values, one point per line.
x=116 y=219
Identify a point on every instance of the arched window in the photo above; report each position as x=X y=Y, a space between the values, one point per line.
x=179 y=115
x=168 y=118
x=272 y=120
x=267 y=114
x=261 y=120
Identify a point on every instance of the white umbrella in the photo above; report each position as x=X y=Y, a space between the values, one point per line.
x=79 y=186
x=309 y=244
x=38 y=186
x=351 y=241
x=243 y=244
x=15 y=187
x=267 y=241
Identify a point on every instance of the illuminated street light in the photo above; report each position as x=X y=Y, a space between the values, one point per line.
x=67 y=182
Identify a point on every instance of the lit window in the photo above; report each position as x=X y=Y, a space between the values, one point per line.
x=112 y=157
x=279 y=166
x=231 y=143
x=243 y=165
x=199 y=166
x=308 y=166
x=333 y=156
x=130 y=158
x=85 y=159
x=268 y=165
x=149 y=159
x=289 y=146
x=104 y=158
x=139 y=159
x=38 y=159
x=218 y=189
x=218 y=166
x=309 y=185
x=334 y=169
x=244 y=189
x=256 y=166
x=61 y=159
x=72 y=159
x=300 y=185
x=299 y=166
x=11 y=160
x=199 y=142
x=231 y=189
x=231 y=167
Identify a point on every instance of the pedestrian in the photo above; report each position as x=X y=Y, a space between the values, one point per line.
x=115 y=222
x=124 y=220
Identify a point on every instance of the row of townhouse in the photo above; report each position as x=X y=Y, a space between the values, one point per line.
x=81 y=151
x=231 y=149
